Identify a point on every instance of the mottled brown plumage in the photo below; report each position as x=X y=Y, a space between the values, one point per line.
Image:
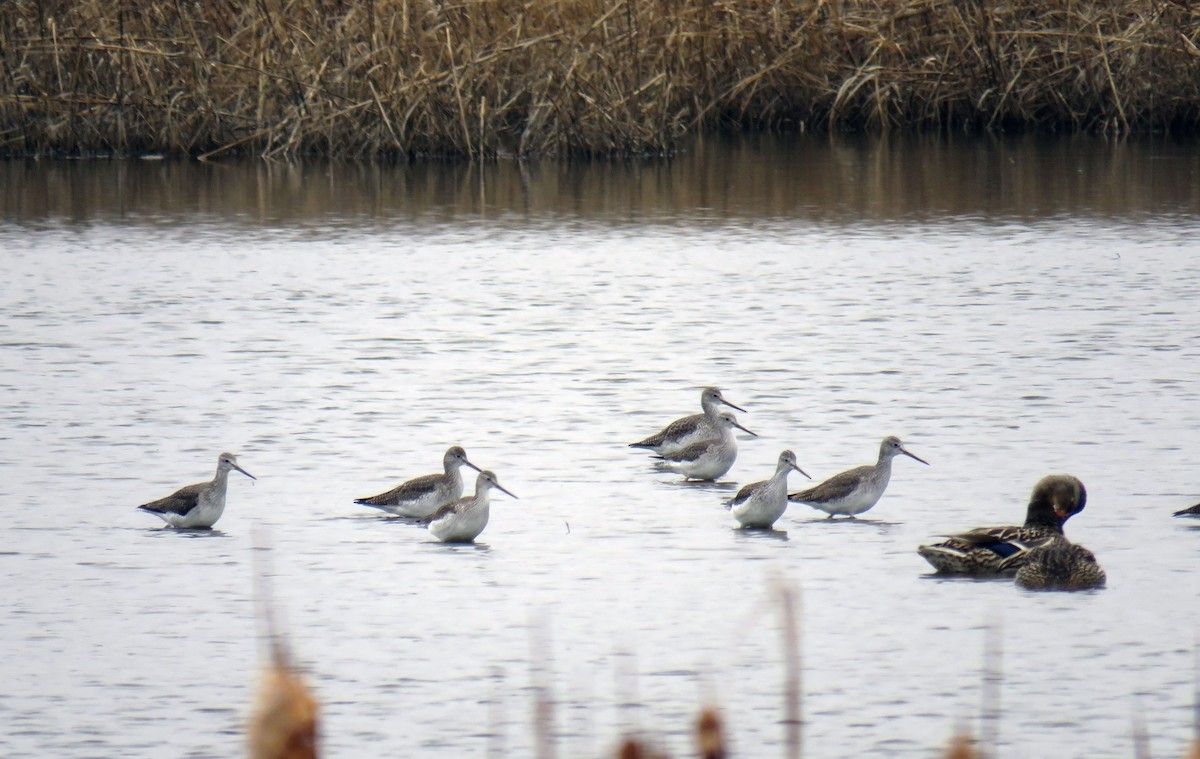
x=982 y=551
x=1058 y=565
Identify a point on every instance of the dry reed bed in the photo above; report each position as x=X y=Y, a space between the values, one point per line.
x=536 y=77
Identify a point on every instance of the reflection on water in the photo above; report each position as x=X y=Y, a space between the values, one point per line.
x=1011 y=308
x=835 y=178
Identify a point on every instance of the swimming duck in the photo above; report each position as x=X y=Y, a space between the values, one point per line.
x=982 y=551
x=1057 y=565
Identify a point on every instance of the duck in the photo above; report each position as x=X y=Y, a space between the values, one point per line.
x=707 y=459
x=987 y=551
x=683 y=432
x=759 y=504
x=421 y=497
x=199 y=506
x=1057 y=565
x=463 y=520
x=857 y=490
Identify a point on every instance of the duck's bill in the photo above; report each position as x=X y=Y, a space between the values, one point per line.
x=743 y=429
x=914 y=456
x=243 y=471
x=801 y=471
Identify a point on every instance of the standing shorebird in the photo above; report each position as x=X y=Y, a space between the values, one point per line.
x=707 y=459
x=759 y=504
x=197 y=506
x=420 y=498
x=1057 y=565
x=1000 y=550
x=463 y=520
x=857 y=490
x=681 y=433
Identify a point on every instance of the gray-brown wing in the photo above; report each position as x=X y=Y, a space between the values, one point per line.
x=745 y=493
x=691 y=453
x=676 y=429
x=835 y=488
x=447 y=509
x=180 y=502
x=408 y=491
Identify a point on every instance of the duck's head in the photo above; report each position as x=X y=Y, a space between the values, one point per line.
x=1056 y=498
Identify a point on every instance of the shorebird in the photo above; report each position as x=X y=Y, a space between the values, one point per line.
x=856 y=490
x=759 y=504
x=197 y=506
x=421 y=497
x=681 y=433
x=999 y=550
x=463 y=520
x=1193 y=511
x=1057 y=565
x=707 y=459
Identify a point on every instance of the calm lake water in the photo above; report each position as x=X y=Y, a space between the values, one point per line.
x=1009 y=308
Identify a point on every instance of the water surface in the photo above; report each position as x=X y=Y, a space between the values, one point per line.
x=1009 y=308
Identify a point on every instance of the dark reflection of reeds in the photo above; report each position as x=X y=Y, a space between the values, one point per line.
x=529 y=77
x=850 y=180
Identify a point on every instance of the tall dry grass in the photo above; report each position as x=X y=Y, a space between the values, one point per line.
x=355 y=78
